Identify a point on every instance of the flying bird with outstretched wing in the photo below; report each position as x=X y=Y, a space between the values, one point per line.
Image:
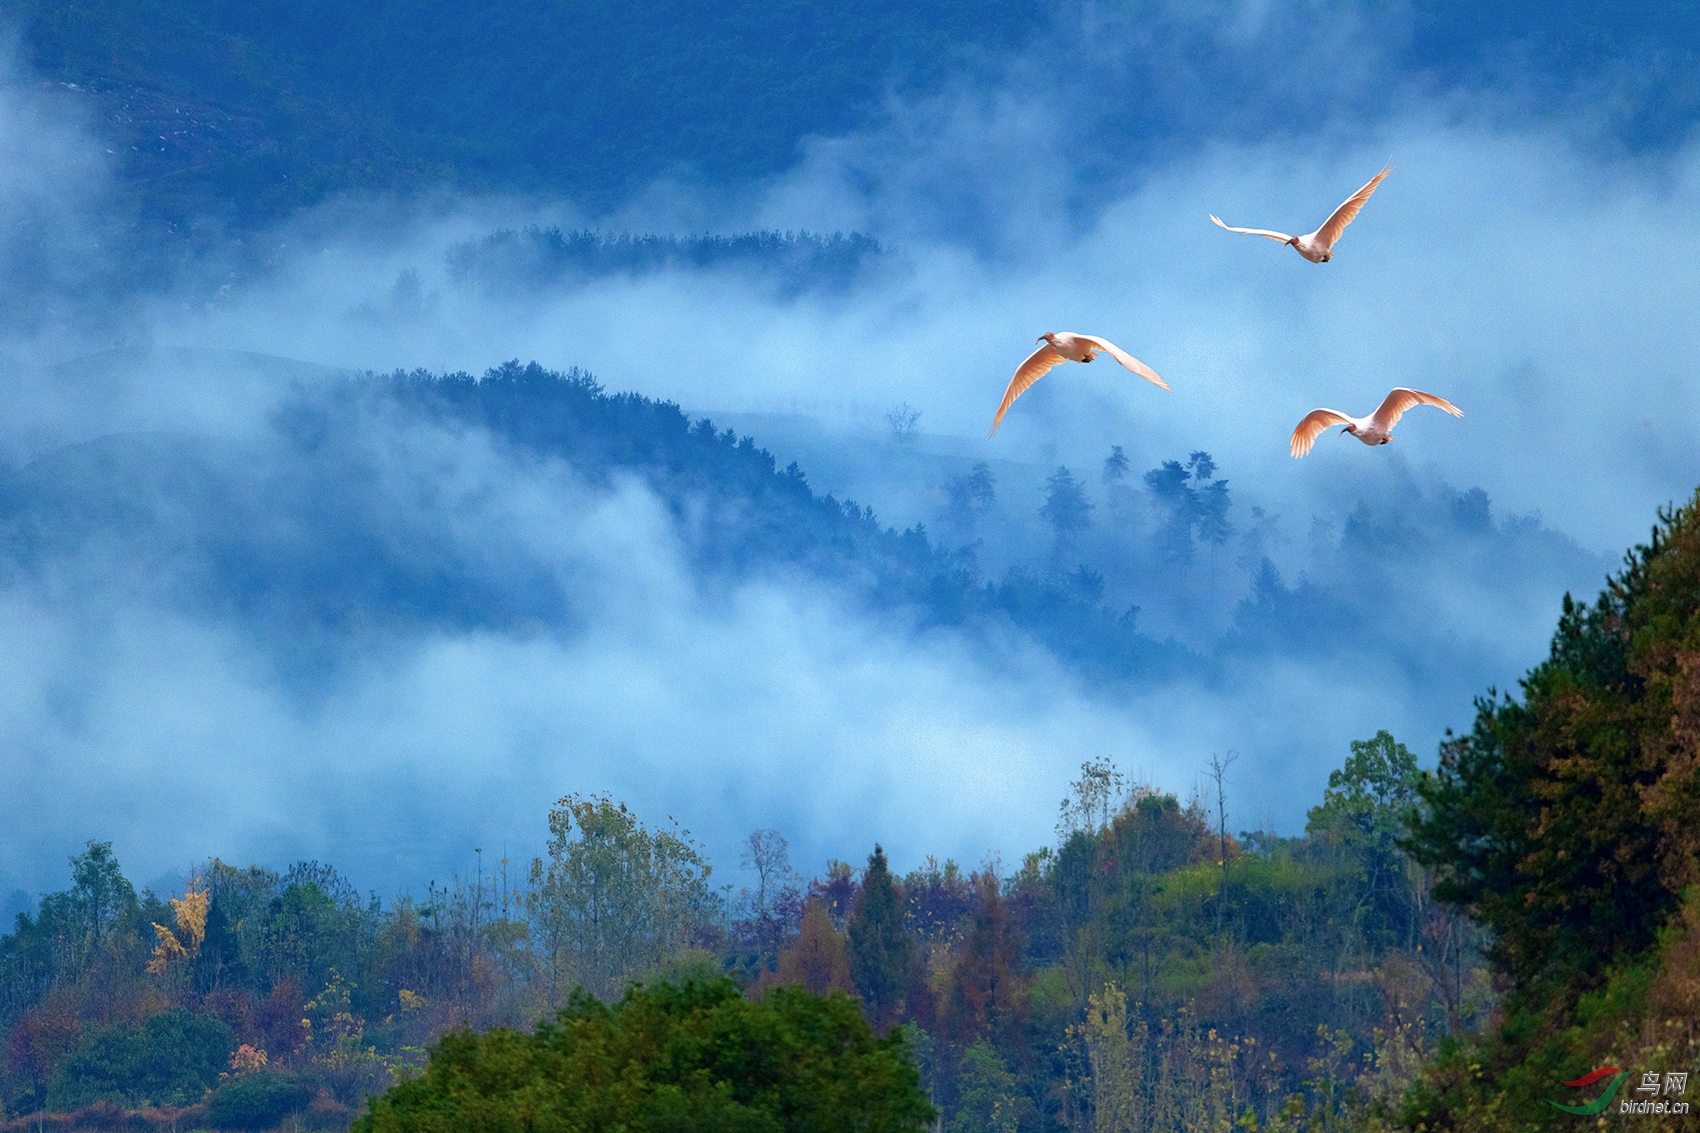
x=1376 y=429
x=1060 y=347
x=1318 y=246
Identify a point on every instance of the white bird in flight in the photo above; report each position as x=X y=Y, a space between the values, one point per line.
x=1318 y=246
x=1376 y=429
x=1060 y=347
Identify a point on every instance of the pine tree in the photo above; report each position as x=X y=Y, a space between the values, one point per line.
x=879 y=951
x=1066 y=509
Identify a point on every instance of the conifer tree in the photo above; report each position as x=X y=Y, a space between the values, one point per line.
x=879 y=952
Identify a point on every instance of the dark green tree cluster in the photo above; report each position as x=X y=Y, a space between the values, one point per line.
x=699 y=1056
x=172 y=1059
x=1195 y=505
x=1568 y=823
x=1224 y=969
x=294 y=535
x=742 y=514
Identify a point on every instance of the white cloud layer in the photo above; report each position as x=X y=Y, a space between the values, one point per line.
x=1551 y=293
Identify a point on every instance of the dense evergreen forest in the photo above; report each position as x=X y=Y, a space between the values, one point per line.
x=329 y=527
x=315 y=554
x=1437 y=950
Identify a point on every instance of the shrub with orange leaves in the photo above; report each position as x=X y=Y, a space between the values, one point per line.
x=247 y=1058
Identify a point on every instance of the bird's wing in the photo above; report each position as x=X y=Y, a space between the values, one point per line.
x=1402 y=399
x=1281 y=236
x=1348 y=210
x=1125 y=359
x=1315 y=423
x=1038 y=364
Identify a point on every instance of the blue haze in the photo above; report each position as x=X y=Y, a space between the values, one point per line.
x=189 y=488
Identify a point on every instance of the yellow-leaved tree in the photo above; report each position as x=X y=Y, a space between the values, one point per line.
x=185 y=943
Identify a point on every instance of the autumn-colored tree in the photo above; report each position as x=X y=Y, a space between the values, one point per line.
x=986 y=994
x=817 y=959
x=1116 y=1061
x=837 y=891
x=185 y=943
x=38 y=1044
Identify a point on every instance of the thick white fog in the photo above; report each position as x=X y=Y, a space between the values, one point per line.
x=1550 y=291
x=1549 y=294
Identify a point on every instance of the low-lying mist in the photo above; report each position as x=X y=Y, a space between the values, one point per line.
x=508 y=628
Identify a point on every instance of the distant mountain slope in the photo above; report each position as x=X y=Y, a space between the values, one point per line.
x=523 y=262
x=255 y=109
x=268 y=106
x=389 y=503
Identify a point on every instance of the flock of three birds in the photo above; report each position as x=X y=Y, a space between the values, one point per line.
x=1318 y=248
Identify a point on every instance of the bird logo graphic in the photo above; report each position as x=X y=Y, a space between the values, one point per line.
x=1599 y=1104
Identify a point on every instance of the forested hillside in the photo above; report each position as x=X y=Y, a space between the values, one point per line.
x=1148 y=961
x=1148 y=970
x=250 y=111
x=332 y=524
x=262 y=108
x=1566 y=822
x=337 y=537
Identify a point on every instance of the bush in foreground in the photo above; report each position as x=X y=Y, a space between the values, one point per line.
x=256 y=1100
x=698 y=1056
x=169 y=1060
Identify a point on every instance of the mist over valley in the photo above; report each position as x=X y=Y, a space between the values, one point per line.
x=419 y=421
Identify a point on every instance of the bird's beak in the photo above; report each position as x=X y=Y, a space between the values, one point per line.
x=1041 y=338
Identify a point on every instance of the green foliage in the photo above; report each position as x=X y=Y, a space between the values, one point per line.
x=615 y=899
x=95 y=923
x=259 y=1099
x=1371 y=795
x=1364 y=814
x=991 y=1099
x=993 y=976
x=1092 y=799
x=879 y=949
x=1195 y=503
x=697 y=1057
x=299 y=935
x=171 y=1059
x=101 y=897
x=1567 y=822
